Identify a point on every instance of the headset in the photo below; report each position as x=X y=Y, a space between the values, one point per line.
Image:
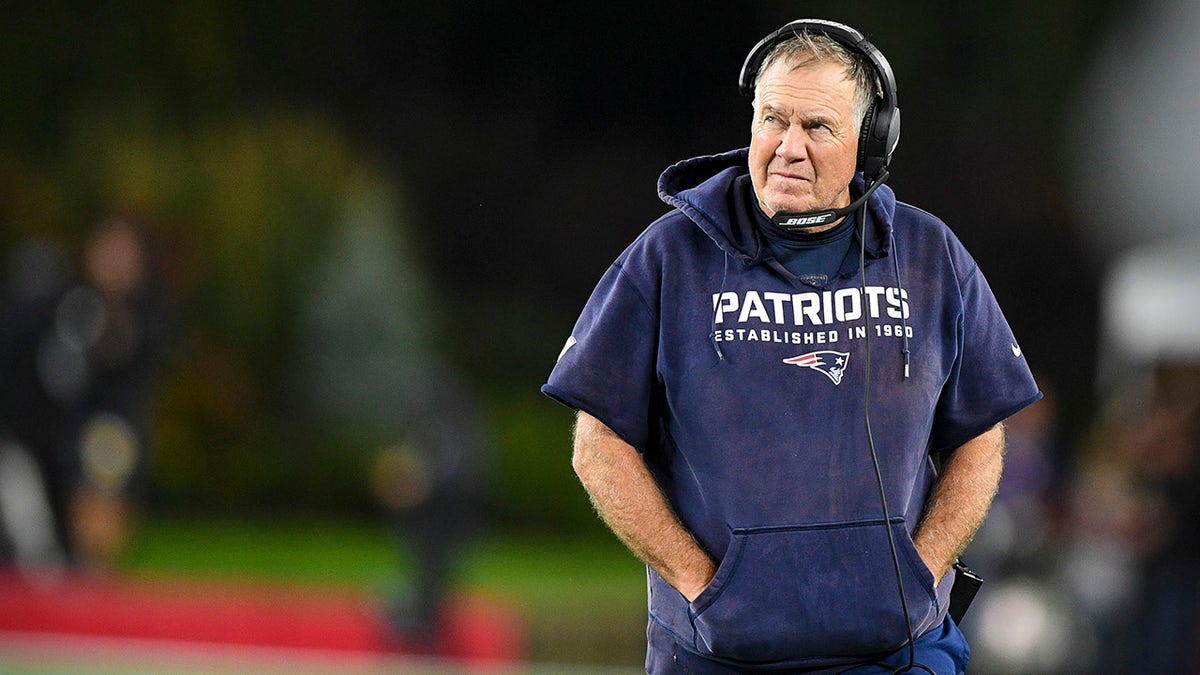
x=881 y=124
x=877 y=141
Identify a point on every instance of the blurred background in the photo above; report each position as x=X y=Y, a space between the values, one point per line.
x=281 y=283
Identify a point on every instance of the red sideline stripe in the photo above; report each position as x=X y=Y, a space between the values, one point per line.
x=242 y=613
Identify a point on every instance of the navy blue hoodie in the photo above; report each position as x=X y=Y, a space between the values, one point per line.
x=743 y=388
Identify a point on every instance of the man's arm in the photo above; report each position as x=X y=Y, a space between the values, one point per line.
x=960 y=500
x=629 y=501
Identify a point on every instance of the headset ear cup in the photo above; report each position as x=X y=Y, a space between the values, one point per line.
x=866 y=137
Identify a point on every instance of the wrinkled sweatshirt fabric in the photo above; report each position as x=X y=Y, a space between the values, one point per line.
x=743 y=389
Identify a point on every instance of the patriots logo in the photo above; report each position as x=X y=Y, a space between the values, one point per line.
x=832 y=363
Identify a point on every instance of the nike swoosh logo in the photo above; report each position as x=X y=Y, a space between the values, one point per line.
x=1016 y=350
x=571 y=342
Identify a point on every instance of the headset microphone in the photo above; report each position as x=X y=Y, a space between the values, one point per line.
x=793 y=221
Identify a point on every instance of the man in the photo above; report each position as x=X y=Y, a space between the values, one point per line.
x=79 y=358
x=762 y=398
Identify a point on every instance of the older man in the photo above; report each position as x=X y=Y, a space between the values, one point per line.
x=769 y=378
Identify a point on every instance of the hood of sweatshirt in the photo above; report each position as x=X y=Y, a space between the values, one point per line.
x=701 y=189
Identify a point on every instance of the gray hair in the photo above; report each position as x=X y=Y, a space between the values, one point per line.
x=805 y=47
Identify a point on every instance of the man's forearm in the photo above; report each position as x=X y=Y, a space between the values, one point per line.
x=960 y=500
x=629 y=501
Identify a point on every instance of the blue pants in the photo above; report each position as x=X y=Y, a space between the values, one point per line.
x=942 y=650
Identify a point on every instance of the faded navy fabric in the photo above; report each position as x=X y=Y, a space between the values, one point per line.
x=943 y=650
x=743 y=389
x=813 y=257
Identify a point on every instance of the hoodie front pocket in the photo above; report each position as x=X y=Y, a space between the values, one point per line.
x=789 y=593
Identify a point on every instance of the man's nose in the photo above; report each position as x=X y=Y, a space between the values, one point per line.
x=793 y=146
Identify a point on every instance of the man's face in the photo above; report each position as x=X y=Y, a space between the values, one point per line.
x=804 y=138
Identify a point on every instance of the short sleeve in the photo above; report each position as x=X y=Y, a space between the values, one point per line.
x=990 y=378
x=607 y=367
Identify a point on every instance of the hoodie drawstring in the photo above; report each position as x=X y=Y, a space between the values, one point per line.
x=712 y=336
x=862 y=277
x=903 y=315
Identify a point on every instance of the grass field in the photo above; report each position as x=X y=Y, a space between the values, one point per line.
x=582 y=597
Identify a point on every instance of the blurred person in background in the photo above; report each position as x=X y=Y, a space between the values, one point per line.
x=431 y=482
x=1025 y=620
x=1162 y=454
x=371 y=370
x=79 y=355
x=1133 y=552
x=33 y=532
x=1021 y=524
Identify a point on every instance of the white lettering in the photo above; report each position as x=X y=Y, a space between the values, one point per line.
x=807 y=305
x=873 y=293
x=893 y=330
x=777 y=300
x=795 y=221
x=897 y=299
x=753 y=307
x=724 y=302
x=849 y=304
x=819 y=309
